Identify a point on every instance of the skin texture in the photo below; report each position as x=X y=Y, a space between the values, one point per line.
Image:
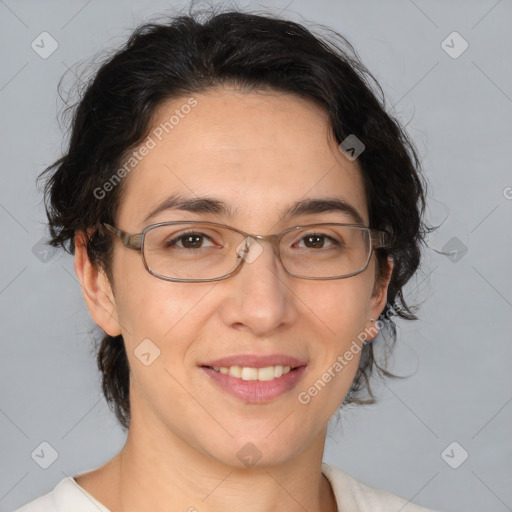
x=259 y=152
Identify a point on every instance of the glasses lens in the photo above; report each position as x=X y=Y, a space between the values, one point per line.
x=325 y=251
x=204 y=251
x=191 y=251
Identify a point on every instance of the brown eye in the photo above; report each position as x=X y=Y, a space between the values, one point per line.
x=314 y=241
x=317 y=241
x=189 y=241
x=192 y=241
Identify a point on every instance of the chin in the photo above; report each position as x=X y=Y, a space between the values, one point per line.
x=258 y=450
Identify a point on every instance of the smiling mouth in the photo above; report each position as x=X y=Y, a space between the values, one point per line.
x=266 y=373
x=256 y=383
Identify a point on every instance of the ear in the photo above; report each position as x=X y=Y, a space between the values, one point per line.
x=96 y=289
x=379 y=298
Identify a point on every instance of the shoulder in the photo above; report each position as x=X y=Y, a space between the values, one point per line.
x=351 y=494
x=67 y=496
x=44 y=503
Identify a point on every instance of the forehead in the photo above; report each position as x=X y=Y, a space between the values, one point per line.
x=259 y=152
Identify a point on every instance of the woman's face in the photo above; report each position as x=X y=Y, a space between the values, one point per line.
x=258 y=153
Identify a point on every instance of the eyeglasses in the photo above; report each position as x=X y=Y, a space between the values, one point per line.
x=186 y=251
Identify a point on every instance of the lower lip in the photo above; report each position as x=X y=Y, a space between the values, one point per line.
x=255 y=391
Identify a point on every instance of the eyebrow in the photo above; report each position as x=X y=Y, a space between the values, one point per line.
x=217 y=207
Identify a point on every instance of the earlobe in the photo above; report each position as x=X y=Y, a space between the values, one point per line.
x=96 y=289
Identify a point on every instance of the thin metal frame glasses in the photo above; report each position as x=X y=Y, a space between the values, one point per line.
x=374 y=239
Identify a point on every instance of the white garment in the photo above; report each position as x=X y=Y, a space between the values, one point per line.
x=351 y=496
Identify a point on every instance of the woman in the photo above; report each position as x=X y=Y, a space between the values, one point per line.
x=243 y=215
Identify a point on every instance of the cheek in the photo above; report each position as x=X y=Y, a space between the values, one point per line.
x=160 y=324
x=140 y=298
x=151 y=308
x=337 y=317
x=171 y=315
x=342 y=305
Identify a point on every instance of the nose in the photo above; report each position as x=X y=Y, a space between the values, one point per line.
x=259 y=298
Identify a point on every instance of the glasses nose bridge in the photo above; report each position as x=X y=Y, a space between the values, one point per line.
x=273 y=239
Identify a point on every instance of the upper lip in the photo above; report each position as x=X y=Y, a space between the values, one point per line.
x=256 y=361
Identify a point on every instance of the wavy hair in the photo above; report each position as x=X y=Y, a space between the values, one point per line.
x=184 y=55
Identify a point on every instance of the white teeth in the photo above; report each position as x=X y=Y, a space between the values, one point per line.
x=235 y=371
x=267 y=373
x=249 y=373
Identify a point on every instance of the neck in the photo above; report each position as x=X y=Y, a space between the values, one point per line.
x=153 y=473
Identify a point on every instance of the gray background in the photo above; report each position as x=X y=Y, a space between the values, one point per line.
x=457 y=110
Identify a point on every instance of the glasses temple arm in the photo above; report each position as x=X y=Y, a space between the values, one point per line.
x=129 y=241
x=379 y=239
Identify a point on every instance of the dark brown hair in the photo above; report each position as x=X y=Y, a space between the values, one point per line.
x=185 y=55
